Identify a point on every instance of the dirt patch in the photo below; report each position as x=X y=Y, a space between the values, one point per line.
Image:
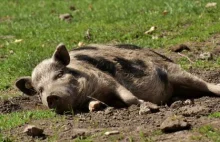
x=127 y=121
x=131 y=125
x=21 y=103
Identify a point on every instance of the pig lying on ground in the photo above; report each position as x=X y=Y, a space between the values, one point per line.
x=116 y=75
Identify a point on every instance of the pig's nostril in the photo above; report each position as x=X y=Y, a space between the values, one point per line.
x=53 y=101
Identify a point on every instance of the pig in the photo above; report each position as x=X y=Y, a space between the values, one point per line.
x=114 y=75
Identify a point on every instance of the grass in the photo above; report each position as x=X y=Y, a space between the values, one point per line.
x=215 y=115
x=14 y=119
x=82 y=140
x=210 y=132
x=144 y=137
x=37 y=26
x=202 y=64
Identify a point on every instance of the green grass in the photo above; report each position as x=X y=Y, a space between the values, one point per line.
x=124 y=21
x=14 y=119
x=202 y=64
x=210 y=132
x=144 y=137
x=215 y=115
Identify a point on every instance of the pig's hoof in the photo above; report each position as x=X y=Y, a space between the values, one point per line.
x=148 y=107
x=95 y=105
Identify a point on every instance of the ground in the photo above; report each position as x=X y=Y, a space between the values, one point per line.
x=201 y=113
x=131 y=125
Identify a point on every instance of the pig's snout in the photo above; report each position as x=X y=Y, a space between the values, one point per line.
x=53 y=101
x=59 y=101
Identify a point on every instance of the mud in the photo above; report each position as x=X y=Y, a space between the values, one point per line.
x=131 y=125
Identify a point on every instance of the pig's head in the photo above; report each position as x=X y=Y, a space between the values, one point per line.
x=53 y=81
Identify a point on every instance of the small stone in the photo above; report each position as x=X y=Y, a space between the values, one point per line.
x=66 y=17
x=153 y=107
x=133 y=108
x=180 y=48
x=144 y=110
x=188 y=102
x=33 y=131
x=109 y=110
x=174 y=123
x=148 y=107
x=111 y=133
x=176 y=104
x=206 y=56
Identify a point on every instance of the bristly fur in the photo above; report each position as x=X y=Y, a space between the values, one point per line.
x=99 y=62
x=128 y=46
x=136 y=67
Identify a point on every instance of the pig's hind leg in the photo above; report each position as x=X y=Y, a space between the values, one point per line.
x=179 y=77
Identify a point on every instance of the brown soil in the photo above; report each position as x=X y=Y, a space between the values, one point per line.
x=131 y=125
x=127 y=121
x=20 y=104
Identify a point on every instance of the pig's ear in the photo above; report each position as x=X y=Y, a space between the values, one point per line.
x=24 y=85
x=61 y=54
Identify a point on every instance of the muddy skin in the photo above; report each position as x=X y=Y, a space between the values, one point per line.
x=126 y=73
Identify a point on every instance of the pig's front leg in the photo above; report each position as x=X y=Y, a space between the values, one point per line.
x=126 y=96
